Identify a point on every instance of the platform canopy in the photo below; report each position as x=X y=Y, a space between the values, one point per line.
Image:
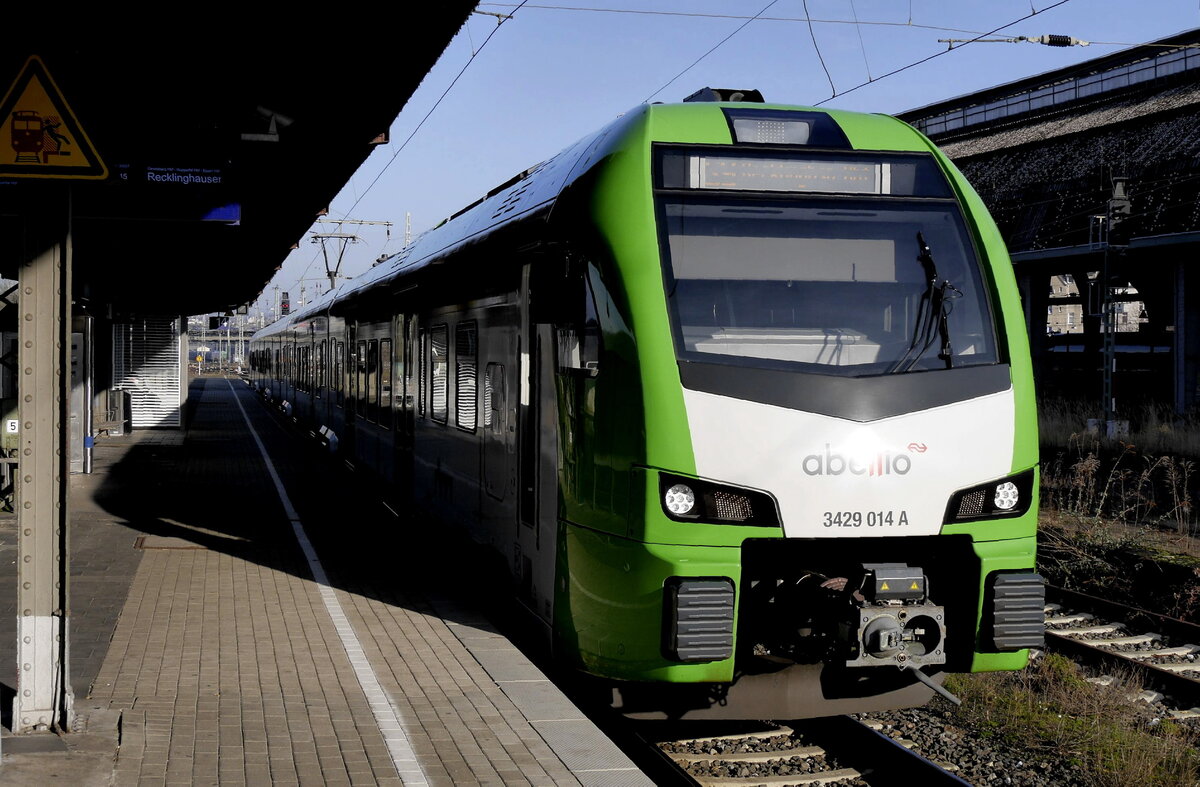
x=190 y=157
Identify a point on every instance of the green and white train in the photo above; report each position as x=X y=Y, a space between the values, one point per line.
x=740 y=392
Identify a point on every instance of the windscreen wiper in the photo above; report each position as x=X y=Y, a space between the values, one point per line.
x=933 y=314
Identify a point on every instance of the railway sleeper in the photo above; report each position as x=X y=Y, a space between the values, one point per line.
x=1147 y=655
x=1189 y=667
x=783 y=781
x=1075 y=617
x=1086 y=631
x=1136 y=639
x=780 y=732
x=1148 y=696
x=750 y=756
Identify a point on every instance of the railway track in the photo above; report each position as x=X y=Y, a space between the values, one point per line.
x=832 y=751
x=1163 y=651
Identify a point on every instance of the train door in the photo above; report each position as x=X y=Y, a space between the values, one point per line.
x=349 y=395
x=366 y=394
x=537 y=531
x=497 y=425
x=405 y=331
x=308 y=371
x=499 y=366
x=385 y=383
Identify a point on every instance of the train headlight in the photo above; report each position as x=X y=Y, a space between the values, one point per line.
x=1007 y=496
x=697 y=500
x=680 y=499
x=1004 y=497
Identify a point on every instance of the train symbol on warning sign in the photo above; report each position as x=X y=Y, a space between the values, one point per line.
x=35 y=139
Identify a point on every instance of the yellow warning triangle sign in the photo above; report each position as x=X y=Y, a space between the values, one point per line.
x=915 y=586
x=885 y=586
x=40 y=137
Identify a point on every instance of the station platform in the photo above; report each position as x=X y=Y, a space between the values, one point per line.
x=235 y=621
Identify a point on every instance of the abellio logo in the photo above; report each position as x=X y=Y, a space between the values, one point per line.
x=878 y=464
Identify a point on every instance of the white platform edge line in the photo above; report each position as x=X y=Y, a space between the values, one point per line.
x=385 y=711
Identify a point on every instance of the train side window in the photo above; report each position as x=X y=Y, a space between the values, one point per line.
x=465 y=393
x=385 y=382
x=423 y=365
x=578 y=334
x=439 y=370
x=276 y=367
x=493 y=396
x=372 y=380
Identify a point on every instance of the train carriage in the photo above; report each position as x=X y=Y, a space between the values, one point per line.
x=740 y=392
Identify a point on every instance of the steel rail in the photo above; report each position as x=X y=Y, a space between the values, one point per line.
x=1183 y=690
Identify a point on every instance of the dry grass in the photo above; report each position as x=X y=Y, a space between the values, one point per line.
x=1119 y=518
x=1144 y=566
x=1155 y=429
x=1110 y=509
x=1051 y=709
x=1145 y=478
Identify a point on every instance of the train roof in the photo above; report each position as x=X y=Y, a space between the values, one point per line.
x=532 y=193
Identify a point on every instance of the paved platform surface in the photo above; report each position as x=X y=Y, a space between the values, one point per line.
x=220 y=637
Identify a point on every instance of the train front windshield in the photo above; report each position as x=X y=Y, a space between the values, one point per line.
x=833 y=285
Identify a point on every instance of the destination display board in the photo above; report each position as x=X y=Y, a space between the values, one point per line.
x=852 y=174
x=771 y=174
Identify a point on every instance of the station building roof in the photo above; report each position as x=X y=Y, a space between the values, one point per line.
x=1052 y=154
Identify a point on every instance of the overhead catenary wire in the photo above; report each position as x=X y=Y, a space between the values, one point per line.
x=861 y=44
x=715 y=47
x=698 y=15
x=817 y=47
x=923 y=60
x=1047 y=40
x=436 y=104
x=854 y=21
x=475 y=54
x=525 y=6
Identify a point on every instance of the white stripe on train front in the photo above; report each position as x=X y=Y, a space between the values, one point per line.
x=838 y=478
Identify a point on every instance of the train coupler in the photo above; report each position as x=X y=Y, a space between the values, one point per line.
x=894 y=621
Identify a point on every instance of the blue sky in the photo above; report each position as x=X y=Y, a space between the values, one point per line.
x=550 y=75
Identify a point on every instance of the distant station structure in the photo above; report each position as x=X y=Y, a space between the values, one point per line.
x=1093 y=175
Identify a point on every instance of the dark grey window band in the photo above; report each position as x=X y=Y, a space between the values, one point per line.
x=853 y=398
